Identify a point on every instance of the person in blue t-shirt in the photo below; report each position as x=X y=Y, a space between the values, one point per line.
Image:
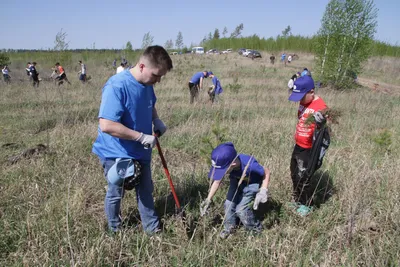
x=127 y=119
x=214 y=89
x=196 y=84
x=306 y=72
x=242 y=192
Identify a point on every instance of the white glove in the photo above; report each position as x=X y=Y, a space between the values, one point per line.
x=319 y=118
x=261 y=197
x=204 y=207
x=159 y=127
x=148 y=141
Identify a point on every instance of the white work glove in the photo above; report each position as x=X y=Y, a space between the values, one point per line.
x=159 y=127
x=148 y=141
x=261 y=197
x=319 y=118
x=204 y=206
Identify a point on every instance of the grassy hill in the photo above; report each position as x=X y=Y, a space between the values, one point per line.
x=52 y=198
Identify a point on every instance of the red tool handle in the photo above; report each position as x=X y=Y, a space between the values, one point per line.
x=164 y=163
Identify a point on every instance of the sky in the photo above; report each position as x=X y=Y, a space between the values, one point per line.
x=111 y=24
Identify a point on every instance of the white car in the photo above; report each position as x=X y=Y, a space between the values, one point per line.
x=198 y=50
x=227 y=51
x=246 y=53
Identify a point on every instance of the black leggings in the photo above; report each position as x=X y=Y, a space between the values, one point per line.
x=298 y=167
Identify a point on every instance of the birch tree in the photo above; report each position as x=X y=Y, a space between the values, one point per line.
x=344 y=40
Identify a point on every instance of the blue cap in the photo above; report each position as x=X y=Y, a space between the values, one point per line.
x=301 y=87
x=210 y=73
x=122 y=169
x=221 y=158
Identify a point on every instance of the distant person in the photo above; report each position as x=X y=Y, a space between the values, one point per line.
x=292 y=80
x=82 y=72
x=127 y=120
x=272 y=59
x=121 y=68
x=289 y=59
x=215 y=90
x=28 y=70
x=310 y=105
x=306 y=72
x=283 y=57
x=62 y=76
x=5 y=72
x=34 y=74
x=114 y=63
x=196 y=84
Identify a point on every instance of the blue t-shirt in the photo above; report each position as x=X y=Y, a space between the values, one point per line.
x=130 y=103
x=217 y=84
x=196 y=78
x=255 y=174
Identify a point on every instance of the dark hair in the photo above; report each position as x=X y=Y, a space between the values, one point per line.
x=28 y=63
x=80 y=61
x=34 y=63
x=158 y=57
x=57 y=63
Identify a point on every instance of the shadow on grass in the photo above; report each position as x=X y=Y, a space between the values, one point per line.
x=188 y=196
x=321 y=185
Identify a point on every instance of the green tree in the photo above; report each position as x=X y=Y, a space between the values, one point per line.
x=4 y=60
x=147 y=41
x=225 y=32
x=128 y=46
x=344 y=40
x=216 y=34
x=61 y=45
x=209 y=36
x=179 y=41
x=238 y=31
x=287 y=32
x=169 y=44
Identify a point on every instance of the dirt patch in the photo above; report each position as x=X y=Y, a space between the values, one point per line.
x=380 y=87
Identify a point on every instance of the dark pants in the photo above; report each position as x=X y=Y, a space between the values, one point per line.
x=61 y=79
x=6 y=78
x=194 y=91
x=35 y=79
x=82 y=77
x=298 y=167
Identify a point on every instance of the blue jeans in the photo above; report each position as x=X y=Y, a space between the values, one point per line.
x=144 y=197
x=240 y=207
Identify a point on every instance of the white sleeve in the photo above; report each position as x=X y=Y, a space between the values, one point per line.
x=290 y=83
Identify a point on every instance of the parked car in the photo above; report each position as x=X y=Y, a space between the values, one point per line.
x=245 y=53
x=254 y=54
x=198 y=50
x=241 y=50
x=213 y=51
x=227 y=51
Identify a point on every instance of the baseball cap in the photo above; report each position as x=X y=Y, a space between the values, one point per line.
x=210 y=73
x=221 y=158
x=122 y=169
x=302 y=86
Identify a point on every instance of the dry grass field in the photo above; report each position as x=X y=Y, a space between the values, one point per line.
x=51 y=201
